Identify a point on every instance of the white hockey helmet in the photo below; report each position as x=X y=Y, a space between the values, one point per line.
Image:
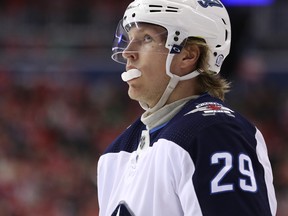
x=206 y=19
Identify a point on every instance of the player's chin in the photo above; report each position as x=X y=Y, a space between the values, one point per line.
x=134 y=93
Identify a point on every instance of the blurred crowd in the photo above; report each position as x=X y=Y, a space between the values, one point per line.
x=61 y=104
x=51 y=135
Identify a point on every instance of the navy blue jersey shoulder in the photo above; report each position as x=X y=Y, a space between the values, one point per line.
x=207 y=116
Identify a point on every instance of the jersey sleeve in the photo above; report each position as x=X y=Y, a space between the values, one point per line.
x=229 y=178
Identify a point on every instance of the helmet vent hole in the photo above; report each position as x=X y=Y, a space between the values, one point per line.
x=155 y=6
x=133 y=15
x=226 y=35
x=215 y=54
x=160 y=8
x=172 y=9
x=168 y=10
x=224 y=21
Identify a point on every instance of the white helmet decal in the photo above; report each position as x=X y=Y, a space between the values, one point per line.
x=211 y=3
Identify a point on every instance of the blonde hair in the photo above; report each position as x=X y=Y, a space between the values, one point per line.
x=208 y=81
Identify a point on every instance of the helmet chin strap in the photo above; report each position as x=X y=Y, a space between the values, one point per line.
x=174 y=80
x=162 y=101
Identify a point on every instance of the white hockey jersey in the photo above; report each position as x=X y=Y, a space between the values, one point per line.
x=206 y=161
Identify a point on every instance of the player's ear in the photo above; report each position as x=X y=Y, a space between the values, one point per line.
x=190 y=56
x=186 y=61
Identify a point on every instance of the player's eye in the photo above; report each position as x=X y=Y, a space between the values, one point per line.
x=147 y=38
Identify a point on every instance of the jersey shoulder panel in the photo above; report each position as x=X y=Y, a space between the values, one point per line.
x=202 y=114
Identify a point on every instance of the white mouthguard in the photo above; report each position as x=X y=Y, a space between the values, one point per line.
x=130 y=74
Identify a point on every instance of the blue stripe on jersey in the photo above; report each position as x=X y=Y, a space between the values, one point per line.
x=158 y=128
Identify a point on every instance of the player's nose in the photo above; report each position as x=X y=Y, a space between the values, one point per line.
x=131 y=51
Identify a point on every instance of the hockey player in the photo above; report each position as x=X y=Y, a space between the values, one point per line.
x=188 y=154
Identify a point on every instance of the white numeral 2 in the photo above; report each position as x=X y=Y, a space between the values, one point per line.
x=245 y=168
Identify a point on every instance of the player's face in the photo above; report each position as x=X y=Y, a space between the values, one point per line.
x=146 y=52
